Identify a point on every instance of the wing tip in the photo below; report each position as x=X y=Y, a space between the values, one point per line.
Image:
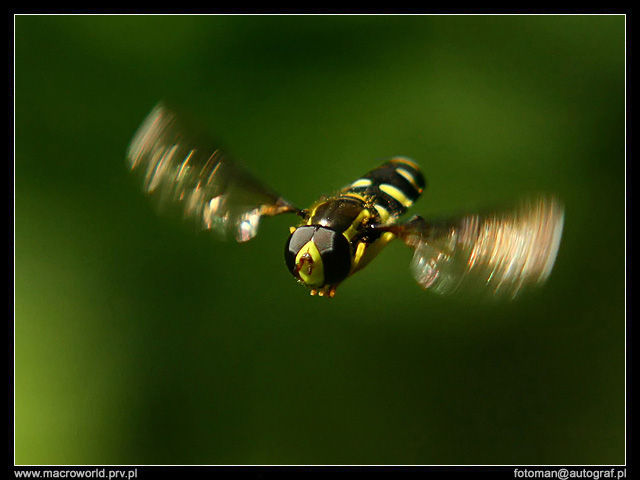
x=148 y=133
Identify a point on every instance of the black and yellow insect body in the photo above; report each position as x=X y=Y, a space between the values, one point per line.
x=497 y=252
x=343 y=233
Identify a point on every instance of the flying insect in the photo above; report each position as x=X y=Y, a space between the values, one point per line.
x=497 y=253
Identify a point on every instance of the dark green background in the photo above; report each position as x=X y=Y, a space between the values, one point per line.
x=138 y=341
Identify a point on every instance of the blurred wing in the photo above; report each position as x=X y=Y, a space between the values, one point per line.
x=496 y=254
x=182 y=171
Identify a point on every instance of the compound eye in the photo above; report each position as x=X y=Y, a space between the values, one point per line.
x=298 y=239
x=336 y=255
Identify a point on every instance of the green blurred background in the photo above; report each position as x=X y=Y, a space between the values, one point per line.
x=139 y=341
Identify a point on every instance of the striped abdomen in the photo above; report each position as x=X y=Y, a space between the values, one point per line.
x=393 y=186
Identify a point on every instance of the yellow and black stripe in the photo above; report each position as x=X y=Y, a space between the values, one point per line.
x=392 y=187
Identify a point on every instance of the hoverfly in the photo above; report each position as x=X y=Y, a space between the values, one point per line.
x=497 y=252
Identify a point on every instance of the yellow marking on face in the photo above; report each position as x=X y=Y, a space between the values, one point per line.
x=410 y=178
x=396 y=194
x=350 y=232
x=292 y=229
x=309 y=265
x=407 y=161
x=362 y=182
